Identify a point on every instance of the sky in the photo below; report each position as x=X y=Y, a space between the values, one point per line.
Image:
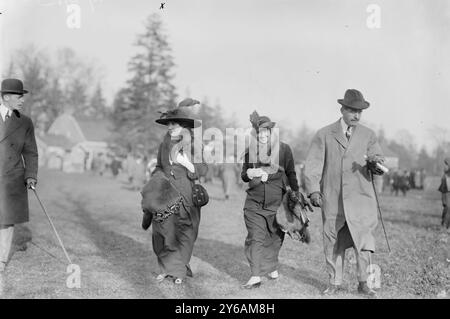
x=288 y=59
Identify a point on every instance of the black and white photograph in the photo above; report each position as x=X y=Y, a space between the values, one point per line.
x=237 y=151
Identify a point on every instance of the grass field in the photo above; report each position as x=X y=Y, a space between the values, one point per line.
x=99 y=221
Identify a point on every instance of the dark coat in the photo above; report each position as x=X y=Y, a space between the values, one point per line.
x=270 y=194
x=18 y=161
x=173 y=240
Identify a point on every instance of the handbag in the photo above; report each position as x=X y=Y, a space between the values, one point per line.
x=200 y=196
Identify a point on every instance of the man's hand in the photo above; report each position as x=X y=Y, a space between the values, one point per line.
x=31 y=182
x=316 y=199
x=303 y=201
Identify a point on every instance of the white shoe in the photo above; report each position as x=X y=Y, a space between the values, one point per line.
x=161 y=277
x=253 y=282
x=2 y=266
x=274 y=275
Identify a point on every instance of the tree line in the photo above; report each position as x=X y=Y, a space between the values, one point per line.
x=65 y=82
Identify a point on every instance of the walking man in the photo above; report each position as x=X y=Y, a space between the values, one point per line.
x=18 y=163
x=339 y=180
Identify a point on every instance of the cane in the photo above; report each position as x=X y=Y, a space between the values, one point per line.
x=51 y=223
x=379 y=211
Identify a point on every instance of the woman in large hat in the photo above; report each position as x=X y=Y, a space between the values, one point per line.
x=174 y=235
x=267 y=178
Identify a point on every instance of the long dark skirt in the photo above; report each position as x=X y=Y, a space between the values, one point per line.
x=173 y=241
x=263 y=242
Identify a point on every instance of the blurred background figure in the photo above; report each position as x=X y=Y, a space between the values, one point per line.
x=227 y=174
x=116 y=166
x=444 y=189
x=400 y=182
x=139 y=168
x=150 y=168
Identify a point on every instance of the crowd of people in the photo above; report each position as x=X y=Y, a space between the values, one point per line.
x=402 y=180
x=338 y=174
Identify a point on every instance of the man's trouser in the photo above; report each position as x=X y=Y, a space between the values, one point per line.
x=6 y=236
x=335 y=256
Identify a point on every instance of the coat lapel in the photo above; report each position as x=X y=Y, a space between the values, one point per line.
x=12 y=124
x=339 y=135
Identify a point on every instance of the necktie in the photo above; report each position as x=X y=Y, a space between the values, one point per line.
x=348 y=133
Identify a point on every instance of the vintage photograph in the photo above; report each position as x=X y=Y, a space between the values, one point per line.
x=194 y=149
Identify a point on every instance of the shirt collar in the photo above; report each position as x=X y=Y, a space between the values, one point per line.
x=4 y=111
x=344 y=125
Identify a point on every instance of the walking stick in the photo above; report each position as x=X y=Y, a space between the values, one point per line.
x=379 y=211
x=51 y=223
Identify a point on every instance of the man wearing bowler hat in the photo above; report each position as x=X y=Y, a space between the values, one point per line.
x=339 y=167
x=18 y=163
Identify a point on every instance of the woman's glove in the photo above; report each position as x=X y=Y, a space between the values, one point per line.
x=254 y=172
x=316 y=199
x=182 y=159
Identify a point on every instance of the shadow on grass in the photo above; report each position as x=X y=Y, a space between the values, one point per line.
x=231 y=260
x=129 y=257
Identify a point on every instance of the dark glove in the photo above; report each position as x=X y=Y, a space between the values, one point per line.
x=31 y=182
x=372 y=162
x=303 y=201
x=316 y=199
x=146 y=219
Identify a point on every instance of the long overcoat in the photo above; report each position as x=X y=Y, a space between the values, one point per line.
x=337 y=168
x=18 y=161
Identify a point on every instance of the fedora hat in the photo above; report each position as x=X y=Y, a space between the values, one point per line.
x=354 y=99
x=180 y=115
x=259 y=122
x=12 y=86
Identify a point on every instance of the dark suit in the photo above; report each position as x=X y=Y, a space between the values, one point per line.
x=18 y=161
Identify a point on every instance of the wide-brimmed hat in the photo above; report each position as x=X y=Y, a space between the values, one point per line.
x=259 y=122
x=354 y=99
x=180 y=114
x=12 y=86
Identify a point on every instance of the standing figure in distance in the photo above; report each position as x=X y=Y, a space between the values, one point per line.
x=444 y=188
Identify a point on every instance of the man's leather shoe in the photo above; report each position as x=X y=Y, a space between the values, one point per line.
x=365 y=290
x=332 y=290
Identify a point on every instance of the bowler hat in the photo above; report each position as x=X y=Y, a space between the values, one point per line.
x=180 y=115
x=13 y=86
x=354 y=99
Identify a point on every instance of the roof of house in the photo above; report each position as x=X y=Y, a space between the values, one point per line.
x=57 y=140
x=78 y=129
x=96 y=130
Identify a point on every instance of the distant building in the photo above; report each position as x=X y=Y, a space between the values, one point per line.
x=71 y=143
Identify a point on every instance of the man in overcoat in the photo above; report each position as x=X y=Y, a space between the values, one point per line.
x=338 y=170
x=18 y=163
